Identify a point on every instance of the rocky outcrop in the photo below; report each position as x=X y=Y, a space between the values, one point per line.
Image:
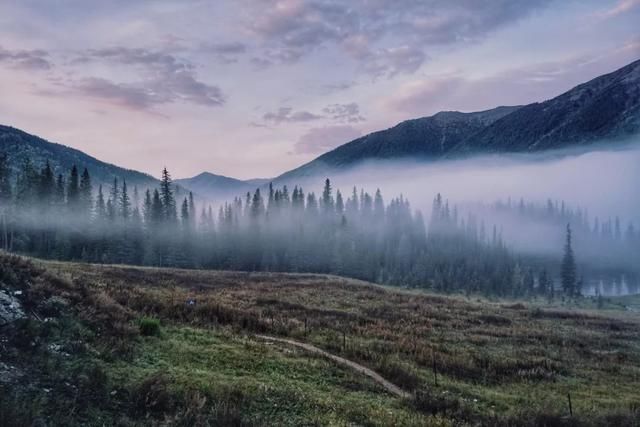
x=10 y=308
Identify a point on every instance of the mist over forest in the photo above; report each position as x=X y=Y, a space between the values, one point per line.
x=496 y=225
x=598 y=187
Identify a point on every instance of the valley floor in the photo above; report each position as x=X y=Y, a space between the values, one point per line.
x=120 y=345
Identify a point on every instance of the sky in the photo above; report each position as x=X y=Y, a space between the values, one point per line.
x=253 y=88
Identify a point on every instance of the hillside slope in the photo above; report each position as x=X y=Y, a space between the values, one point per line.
x=19 y=146
x=426 y=137
x=605 y=108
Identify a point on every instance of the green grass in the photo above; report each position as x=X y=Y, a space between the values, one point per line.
x=274 y=385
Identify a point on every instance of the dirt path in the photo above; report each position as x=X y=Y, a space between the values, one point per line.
x=390 y=387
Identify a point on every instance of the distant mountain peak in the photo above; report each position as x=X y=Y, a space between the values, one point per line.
x=605 y=108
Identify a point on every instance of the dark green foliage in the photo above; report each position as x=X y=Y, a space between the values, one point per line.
x=166 y=195
x=149 y=326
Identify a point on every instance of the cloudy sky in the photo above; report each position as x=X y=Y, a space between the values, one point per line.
x=252 y=88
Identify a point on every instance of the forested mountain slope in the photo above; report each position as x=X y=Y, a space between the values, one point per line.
x=20 y=146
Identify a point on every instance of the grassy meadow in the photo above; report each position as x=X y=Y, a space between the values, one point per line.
x=144 y=346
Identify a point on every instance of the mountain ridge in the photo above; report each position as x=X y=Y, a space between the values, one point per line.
x=216 y=186
x=606 y=107
x=19 y=146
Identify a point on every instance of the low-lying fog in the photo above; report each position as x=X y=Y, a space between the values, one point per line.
x=606 y=182
x=603 y=183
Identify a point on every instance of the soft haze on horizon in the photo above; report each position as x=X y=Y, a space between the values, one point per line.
x=253 y=88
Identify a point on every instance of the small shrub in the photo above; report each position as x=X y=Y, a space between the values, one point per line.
x=149 y=326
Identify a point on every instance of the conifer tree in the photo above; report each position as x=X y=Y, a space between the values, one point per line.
x=26 y=186
x=166 y=195
x=101 y=208
x=184 y=214
x=125 y=202
x=271 y=200
x=311 y=209
x=327 y=198
x=73 y=189
x=136 y=198
x=192 y=211
x=353 y=204
x=157 y=209
x=378 y=206
x=114 y=197
x=568 y=268
x=111 y=210
x=47 y=185
x=257 y=205
x=339 y=204
x=146 y=208
x=86 y=193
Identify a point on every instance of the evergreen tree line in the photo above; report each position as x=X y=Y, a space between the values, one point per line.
x=64 y=217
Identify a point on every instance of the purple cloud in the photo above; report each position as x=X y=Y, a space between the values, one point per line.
x=385 y=37
x=128 y=96
x=349 y=113
x=166 y=79
x=26 y=59
x=341 y=113
x=225 y=52
x=287 y=115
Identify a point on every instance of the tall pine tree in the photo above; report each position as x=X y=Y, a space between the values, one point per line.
x=568 y=268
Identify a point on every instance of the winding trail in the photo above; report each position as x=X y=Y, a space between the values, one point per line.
x=390 y=387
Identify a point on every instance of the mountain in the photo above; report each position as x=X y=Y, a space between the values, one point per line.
x=427 y=137
x=218 y=187
x=19 y=146
x=605 y=108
